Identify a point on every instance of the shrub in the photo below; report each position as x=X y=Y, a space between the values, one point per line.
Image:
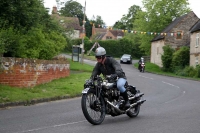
x=181 y=57
x=167 y=58
x=197 y=75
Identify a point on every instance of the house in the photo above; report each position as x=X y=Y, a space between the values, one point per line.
x=176 y=34
x=70 y=24
x=105 y=34
x=195 y=45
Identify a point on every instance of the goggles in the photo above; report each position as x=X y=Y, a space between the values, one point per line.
x=98 y=57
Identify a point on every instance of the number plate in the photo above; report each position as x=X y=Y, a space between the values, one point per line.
x=124 y=60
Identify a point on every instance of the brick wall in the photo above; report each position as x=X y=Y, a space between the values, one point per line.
x=21 y=72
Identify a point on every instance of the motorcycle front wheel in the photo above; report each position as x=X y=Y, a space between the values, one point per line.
x=93 y=108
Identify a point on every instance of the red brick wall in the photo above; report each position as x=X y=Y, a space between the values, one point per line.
x=29 y=72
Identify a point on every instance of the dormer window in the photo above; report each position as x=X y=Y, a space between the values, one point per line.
x=108 y=37
x=179 y=35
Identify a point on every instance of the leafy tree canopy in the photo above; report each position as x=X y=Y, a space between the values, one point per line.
x=157 y=15
x=27 y=30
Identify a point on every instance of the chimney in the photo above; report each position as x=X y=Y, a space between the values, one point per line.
x=54 y=11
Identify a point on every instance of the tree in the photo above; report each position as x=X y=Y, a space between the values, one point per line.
x=27 y=31
x=127 y=21
x=157 y=15
x=99 y=22
x=73 y=9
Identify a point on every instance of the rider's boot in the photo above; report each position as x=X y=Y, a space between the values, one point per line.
x=125 y=96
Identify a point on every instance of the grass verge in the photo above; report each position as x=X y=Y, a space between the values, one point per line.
x=153 y=68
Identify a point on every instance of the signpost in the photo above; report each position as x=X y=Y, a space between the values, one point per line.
x=75 y=53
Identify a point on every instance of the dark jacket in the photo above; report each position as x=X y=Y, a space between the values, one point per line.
x=110 y=66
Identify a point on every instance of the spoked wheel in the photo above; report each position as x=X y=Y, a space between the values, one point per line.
x=133 y=112
x=93 y=108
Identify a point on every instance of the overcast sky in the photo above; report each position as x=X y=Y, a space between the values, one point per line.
x=113 y=10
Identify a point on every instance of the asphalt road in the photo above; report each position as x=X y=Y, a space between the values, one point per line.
x=172 y=106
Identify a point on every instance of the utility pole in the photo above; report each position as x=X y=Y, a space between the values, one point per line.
x=83 y=31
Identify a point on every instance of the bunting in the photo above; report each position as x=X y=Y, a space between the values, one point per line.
x=141 y=32
x=154 y=33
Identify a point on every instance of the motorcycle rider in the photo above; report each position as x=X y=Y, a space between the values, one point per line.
x=107 y=65
x=140 y=62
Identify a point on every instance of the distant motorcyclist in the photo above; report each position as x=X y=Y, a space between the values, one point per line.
x=140 y=62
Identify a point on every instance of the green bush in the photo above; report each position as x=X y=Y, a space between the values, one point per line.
x=167 y=58
x=197 y=72
x=188 y=71
x=181 y=57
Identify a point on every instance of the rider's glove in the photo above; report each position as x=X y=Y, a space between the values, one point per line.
x=113 y=76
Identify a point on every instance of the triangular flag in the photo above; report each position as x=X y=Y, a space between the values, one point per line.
x=175 y=34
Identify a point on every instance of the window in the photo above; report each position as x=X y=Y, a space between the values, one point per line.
x=108 y=37
x=179 y=35
x=197 y=40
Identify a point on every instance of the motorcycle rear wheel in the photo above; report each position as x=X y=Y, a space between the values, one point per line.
x=93 y=108
x=134 y=111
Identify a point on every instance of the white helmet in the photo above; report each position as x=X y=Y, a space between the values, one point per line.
x=142 y=58
x=100 y=51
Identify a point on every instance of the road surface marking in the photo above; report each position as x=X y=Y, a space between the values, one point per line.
x=146 y=77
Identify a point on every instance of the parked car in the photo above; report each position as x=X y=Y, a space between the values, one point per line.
x=126 y=58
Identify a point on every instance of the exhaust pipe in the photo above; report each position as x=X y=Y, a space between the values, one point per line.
x=136 y=96
x=115 y=107
x=134 y=104
x=131 y=106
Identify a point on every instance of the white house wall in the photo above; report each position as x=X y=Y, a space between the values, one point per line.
x=156 y=52
x=194 y=50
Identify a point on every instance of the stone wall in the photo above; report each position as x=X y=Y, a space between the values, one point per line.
x=21 y=72
x=184 y=26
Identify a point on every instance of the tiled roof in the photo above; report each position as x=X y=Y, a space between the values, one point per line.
x=196 y=27
x=100 y=35
x=117 y=33
x=169 y=27
x=114 y=32
x=100 y=30
x=68 y=22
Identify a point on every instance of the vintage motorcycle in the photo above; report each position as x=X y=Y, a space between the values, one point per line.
x=100 y=97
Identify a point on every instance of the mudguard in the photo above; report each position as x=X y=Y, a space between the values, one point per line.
x=85 y=90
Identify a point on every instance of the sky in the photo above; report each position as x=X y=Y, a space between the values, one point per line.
x=112 y=10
